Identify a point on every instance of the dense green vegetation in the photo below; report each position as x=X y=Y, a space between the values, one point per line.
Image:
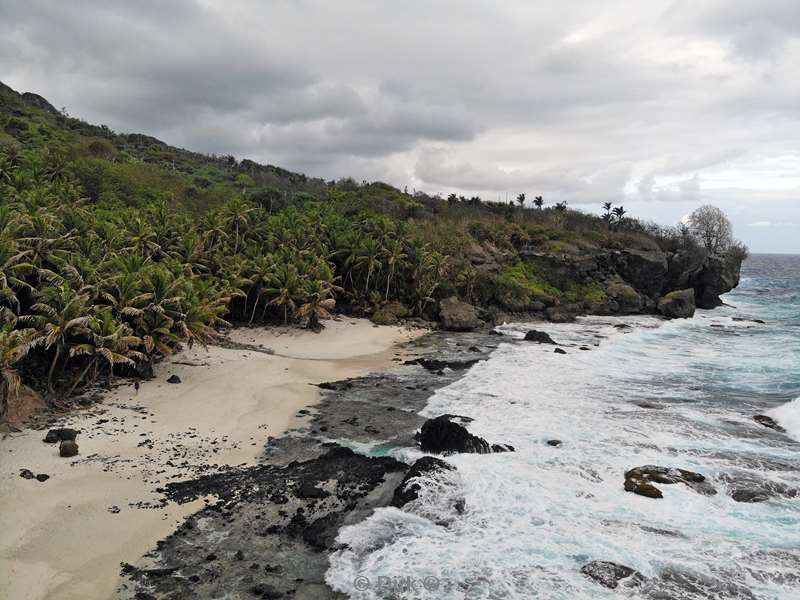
x=116 y=249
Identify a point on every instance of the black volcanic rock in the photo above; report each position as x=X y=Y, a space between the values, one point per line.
x=405 y=492
x=606 y=573
x=540 y=337
x=68 y=448
x=768 y=422
x=443 y=436
x=59 y=435
x=640 y=480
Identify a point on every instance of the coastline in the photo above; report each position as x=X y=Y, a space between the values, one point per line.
x=270 y=528
x=69 y=534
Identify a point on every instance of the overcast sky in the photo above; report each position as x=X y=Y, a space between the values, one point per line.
x=660 y=105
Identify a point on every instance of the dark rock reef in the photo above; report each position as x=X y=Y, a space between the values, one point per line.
x=406 y=491
x=640 y=480
x=606 y=573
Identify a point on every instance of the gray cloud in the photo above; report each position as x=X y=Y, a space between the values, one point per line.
x=662 y=105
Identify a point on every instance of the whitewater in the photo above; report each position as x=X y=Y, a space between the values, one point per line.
x=677 y=393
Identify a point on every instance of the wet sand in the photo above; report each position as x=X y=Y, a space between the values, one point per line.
x=66 y=537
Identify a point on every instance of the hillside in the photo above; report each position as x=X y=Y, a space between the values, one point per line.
x=116 y=248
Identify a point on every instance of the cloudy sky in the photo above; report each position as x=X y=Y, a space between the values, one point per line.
x=660 y=105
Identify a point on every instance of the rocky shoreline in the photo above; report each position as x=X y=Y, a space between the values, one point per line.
x=266 y=530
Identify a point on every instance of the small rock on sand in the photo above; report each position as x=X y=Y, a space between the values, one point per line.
x=68 y=448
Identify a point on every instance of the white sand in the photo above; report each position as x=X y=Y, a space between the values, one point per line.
x=58 y=539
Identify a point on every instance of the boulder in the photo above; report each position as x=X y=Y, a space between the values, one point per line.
x=173 y=379
x=406 y=492
x=61 y=435
x=442 y=436
x=540 y=337
x=26 y=474
x=628 y=299
x=677 y=305
x=68 y=448
x=42 y=477
x=640 y=480
x=456 y=315
x=768 y=422
x=606 y=573
x=390 y=313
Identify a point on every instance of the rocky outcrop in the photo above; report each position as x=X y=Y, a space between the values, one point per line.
x=406 y=492
x=750 y=488
x=443 y=436
x=677 y=305
x=717 y=276
x=540 y=337
x=607 y=573
x=458 y=316
x=566 y=281
x=626 y=298
x=768 y=422
x=645 y=271
x=639 y=480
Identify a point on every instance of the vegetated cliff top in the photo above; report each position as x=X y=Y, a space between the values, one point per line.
x=30 y=120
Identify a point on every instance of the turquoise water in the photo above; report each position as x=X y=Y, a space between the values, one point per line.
x=678 y=394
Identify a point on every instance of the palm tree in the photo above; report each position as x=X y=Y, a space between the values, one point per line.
x=395 y=256
x=141 y=238
x=368 y=254
x=9 y=166
x=318 y=302
x=287 y=287
x=14 y=266
x=14 y=346
x=619 y=214
x=538 y=202
x=261 y=273
x=203 y=310
x=60 y=315
x=155 y=330
x=467 y=278
x=110 y=343
x=521 y=200
x=607 y=214
x=214 y=228
x=236 y=214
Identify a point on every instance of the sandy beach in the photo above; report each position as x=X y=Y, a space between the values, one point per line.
x=66 y=537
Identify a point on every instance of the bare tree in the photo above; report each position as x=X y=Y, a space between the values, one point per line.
x=711 y=228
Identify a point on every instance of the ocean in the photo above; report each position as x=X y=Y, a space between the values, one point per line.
x=679 y=393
